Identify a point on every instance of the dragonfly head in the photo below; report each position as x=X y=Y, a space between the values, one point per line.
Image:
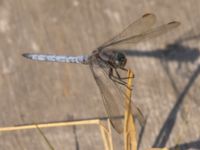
x=120 y=59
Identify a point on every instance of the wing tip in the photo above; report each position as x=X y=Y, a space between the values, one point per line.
x=149 y=15
x=174 y=23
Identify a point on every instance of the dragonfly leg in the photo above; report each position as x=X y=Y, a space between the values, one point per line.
x=117 y=73
x=123 y=78
x=116 y=79
x=124 y=69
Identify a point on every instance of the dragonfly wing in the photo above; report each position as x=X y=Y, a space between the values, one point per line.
x=113 y=96
x=138 y=114
x=154 y=32
x=139 y=26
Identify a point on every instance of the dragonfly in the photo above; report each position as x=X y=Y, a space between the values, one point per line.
x=106 y=62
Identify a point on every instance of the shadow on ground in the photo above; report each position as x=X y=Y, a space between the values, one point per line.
x=181 y=54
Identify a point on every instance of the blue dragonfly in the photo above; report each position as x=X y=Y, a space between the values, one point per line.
x=106 y=62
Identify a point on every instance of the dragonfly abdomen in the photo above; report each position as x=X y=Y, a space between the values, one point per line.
x=57 y=58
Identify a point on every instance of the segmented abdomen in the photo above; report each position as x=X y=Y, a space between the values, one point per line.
x=57 y=58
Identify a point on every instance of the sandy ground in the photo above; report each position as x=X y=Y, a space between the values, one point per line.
x=167 y=70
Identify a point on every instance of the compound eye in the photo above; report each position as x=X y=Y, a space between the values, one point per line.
x=120 y=56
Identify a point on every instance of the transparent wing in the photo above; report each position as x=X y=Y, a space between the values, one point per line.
x=112 y=95
x=146 y=35
x=137 y=27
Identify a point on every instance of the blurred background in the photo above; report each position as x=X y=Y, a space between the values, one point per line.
x=166 y=86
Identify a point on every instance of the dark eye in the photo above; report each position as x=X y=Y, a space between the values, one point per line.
x=120 y=56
